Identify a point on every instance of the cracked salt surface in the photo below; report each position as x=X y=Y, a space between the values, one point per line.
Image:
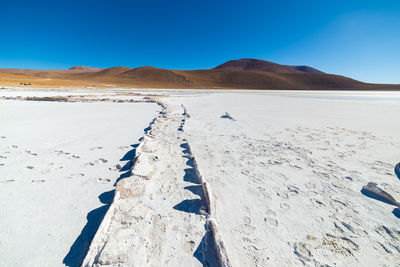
x=46 y=188
x=287 y=177
x=283 y=181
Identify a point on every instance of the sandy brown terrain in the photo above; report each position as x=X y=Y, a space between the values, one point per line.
x=234 y=74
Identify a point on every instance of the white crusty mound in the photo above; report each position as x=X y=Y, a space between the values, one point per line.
x=162 y=214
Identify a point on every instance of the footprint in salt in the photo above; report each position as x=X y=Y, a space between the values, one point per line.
x=38 y=181
x=293 y=190
x=285 y=206
x=271 y=221
x=7 y=181
x=76 y=175
x=282 y=194
x=104 y=180
x=270 y=218
x=247 y=220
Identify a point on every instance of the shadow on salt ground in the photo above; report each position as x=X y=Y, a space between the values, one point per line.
x=185 y=150
x=130 y=154
x=191 y=205
x=368 y=194
x=206 y=251
x=81 y=245
x=190 y=173
x=227 y=116
x=127 y=168
x=397 y=170
x=396 y=211
x=78 y=250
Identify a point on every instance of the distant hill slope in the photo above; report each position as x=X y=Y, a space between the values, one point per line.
x=113 y=71
x=84 y=68
x=156 y=75
x=257 y=64
x=234 y=74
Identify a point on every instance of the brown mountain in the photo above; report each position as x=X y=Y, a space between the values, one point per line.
x=234 y=74
x=85 y=68
x=263 y=65
x=113 y=71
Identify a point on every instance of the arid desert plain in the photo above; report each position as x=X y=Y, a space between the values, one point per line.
x=119 y=177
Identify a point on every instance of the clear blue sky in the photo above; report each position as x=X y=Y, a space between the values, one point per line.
x=360 y=39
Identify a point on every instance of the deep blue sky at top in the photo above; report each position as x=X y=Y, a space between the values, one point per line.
x=360 y=39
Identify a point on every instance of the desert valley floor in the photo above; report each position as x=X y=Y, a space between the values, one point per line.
x=198 y=177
